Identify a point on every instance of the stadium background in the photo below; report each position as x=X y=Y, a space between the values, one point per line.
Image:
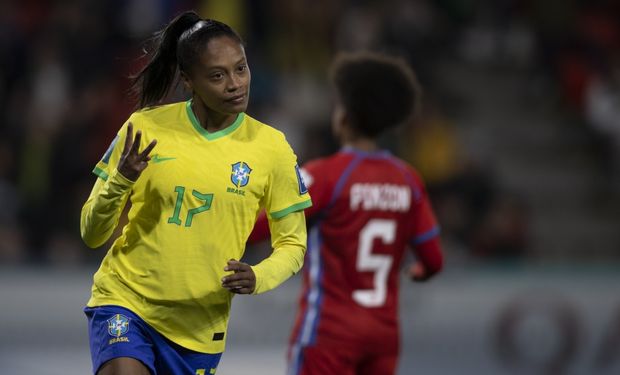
x=518 y=139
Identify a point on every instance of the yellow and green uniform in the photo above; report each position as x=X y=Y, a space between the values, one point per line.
x=192 y=209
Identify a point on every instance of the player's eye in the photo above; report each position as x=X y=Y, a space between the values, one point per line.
x=216 y=76
x=242 y=68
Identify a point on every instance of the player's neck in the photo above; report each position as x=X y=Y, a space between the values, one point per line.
x=361 y=144
x=212 y=121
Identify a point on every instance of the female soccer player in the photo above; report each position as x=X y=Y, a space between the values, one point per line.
x=369 y=207
x=196 y=173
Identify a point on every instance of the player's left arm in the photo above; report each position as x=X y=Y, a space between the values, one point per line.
x=429 y=260
x=289 y=237
x=425 y=240
x=315 y=182
x=260 y=232
x=285 y=199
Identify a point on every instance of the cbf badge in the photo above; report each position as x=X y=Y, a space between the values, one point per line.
x=118 y=325
x=240 y=175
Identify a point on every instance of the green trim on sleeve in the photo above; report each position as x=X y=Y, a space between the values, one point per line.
x=294 y=208
x=100 y=173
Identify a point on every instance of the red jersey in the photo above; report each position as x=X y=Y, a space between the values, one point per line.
x=367 y=209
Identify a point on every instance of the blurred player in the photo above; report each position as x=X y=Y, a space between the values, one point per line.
x=161 y=297
x=368 y=208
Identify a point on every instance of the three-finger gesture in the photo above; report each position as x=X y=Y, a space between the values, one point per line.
x=242 y=281
x=132 y=161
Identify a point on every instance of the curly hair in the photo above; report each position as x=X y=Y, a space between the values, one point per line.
x=377 y=91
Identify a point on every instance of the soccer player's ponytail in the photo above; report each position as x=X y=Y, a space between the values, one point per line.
x=177 y=46
x=153 y=82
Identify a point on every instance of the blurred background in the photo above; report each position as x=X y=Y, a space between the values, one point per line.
x=518 y=139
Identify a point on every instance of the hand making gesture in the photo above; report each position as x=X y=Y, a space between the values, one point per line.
x=133 y=162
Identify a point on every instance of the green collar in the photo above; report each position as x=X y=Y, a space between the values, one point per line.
x=218 y=134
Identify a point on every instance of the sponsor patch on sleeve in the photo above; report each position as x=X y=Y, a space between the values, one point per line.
x=108 y=153
x=300 y=181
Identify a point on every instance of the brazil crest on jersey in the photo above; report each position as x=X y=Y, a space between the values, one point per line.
x=192 y=210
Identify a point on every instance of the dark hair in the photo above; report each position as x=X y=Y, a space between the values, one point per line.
x=176 y=46
x=377 y=91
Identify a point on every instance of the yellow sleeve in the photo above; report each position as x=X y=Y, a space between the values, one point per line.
x=288 y=239
x=102 y=210
x=286 y=191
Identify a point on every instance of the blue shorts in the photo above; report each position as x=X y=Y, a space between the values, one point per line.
x=117 y=332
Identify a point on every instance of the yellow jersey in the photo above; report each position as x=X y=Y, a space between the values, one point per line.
x=192 y=209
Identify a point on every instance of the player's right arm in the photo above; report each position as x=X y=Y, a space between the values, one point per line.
x=103 y=208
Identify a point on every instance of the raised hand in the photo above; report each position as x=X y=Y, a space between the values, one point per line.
x=242 y=281
x=133 y=162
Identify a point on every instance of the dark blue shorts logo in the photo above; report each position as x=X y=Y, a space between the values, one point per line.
x=240 y=175
x=118 y=325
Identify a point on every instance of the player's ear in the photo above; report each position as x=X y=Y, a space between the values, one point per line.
x=187 y=82
x=345 y=120
x=338 y=118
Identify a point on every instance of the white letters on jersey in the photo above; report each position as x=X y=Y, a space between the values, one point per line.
x=383 y=197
